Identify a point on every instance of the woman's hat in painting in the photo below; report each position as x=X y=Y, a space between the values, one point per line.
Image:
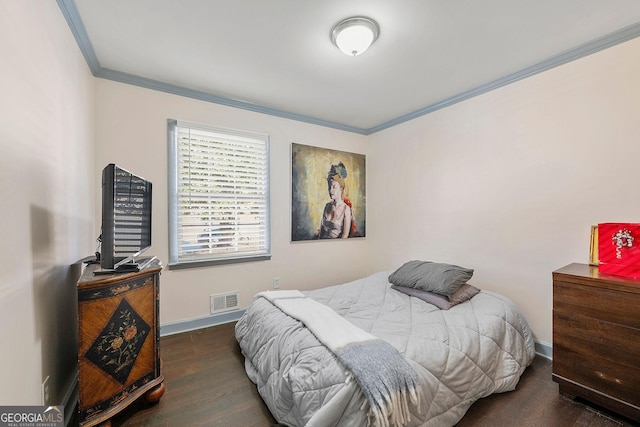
x=338 y=169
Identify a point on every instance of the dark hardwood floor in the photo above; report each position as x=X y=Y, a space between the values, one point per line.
x=207 y=386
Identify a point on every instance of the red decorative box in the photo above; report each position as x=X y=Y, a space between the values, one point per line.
x=619 y=249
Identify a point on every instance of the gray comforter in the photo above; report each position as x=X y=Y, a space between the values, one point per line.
x=474 y=349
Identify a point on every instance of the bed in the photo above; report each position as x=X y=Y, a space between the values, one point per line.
x=462 y=354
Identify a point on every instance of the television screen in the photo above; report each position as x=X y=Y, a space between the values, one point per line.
x=126 y=217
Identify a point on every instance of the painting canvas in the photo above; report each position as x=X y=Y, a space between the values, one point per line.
x=328 y=199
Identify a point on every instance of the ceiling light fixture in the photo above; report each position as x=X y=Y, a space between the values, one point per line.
x=354 y=35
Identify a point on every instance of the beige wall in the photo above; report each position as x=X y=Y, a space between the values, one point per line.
x=509 y=183
x=131 y=131
x=46 y=193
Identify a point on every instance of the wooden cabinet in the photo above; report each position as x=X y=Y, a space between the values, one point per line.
x=118 y=342
x=596 y=337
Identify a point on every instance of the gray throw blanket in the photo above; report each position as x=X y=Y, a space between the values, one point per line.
x=385 y=377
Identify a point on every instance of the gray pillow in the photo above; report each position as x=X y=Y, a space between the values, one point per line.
x=465 y=293
x=443 y=279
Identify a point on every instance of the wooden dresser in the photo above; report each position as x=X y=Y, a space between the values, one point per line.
x=118 y=342
x=596 y=337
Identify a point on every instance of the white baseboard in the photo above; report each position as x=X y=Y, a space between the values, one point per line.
x=544 y=349
x=171 y=328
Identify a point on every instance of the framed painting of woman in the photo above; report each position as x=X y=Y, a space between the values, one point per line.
x=328 y=194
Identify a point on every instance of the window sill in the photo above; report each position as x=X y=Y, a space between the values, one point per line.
x=213 y=262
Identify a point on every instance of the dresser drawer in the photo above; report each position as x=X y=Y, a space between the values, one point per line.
x=599 y=303
x=599 y=355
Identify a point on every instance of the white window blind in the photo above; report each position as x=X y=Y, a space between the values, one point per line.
x=218 y=195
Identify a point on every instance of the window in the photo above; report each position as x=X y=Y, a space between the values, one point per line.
x=218 y=195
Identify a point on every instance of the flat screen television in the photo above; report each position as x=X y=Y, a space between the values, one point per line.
x=126 y=219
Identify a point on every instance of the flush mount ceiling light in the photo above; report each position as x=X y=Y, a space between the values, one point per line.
x=354 y=35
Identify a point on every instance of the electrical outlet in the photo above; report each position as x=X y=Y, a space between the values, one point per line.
x=276 y=283
x=46 y=396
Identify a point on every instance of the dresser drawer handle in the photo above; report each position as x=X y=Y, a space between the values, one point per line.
x=609 y=377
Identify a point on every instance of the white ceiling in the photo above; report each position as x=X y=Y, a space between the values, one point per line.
x=275 y=56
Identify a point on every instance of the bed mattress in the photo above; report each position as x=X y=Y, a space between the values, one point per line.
x=462 y=354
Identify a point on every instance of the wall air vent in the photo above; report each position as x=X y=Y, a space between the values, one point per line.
x=225 y=302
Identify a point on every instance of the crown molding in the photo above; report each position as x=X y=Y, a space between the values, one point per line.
x=144 y=82
x=70 y=13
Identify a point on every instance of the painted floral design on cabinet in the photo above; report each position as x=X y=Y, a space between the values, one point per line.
x=116 y=348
